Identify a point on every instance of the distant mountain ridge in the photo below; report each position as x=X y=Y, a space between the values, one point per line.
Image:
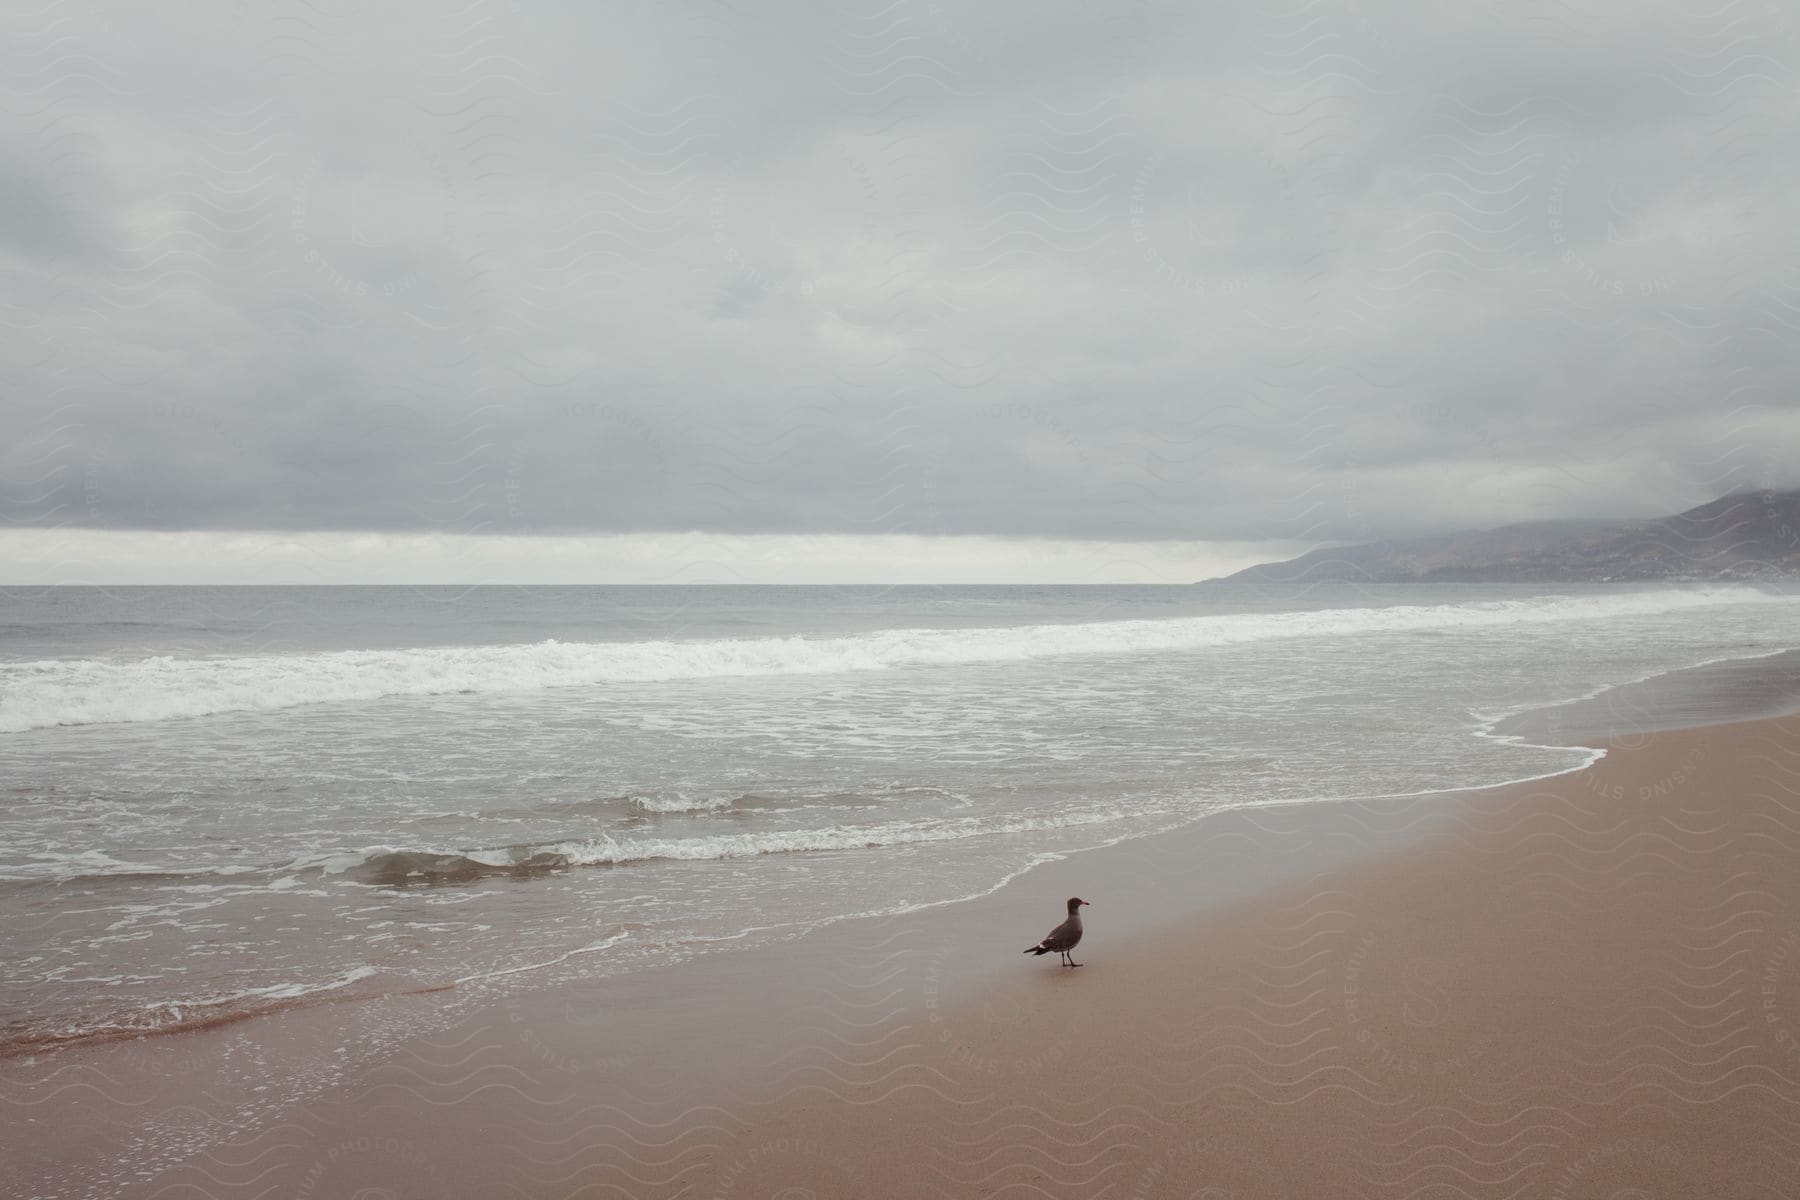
x=1747 y=535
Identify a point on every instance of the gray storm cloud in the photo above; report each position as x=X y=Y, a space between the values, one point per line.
x=1120 y=271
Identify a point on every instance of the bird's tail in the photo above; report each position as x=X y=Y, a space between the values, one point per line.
x=1037 y=950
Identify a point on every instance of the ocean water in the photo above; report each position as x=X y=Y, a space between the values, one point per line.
x=219 y=800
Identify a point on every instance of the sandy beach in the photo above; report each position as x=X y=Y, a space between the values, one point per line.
x=1582 y=986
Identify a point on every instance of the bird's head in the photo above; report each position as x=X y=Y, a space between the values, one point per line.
x=1075 y=902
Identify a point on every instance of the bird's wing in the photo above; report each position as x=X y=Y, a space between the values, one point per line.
x=1063 y=936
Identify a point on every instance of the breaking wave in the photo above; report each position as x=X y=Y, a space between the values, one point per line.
x=36 y=695
x=391 y=866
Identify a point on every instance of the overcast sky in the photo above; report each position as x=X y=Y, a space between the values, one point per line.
x=695 y=291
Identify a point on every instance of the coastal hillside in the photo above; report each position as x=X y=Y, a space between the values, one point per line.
x=1750 y=535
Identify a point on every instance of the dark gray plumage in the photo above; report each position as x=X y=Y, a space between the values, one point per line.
x=1064 y=937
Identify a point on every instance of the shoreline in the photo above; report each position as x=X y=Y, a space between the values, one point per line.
x=1536 y=727
x=926 y=1016
x=1715 y=691
x=1560 y=992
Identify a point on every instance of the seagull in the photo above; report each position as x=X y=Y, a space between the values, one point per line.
x=1063 y=938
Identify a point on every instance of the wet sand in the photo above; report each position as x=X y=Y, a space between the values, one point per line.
x=1721 y=692
x=1582 y=986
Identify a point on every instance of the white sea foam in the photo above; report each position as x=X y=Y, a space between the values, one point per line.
x=677 y=803
x=35 y=695
x=610 y=851
x=291 y=991
x=51 y=866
